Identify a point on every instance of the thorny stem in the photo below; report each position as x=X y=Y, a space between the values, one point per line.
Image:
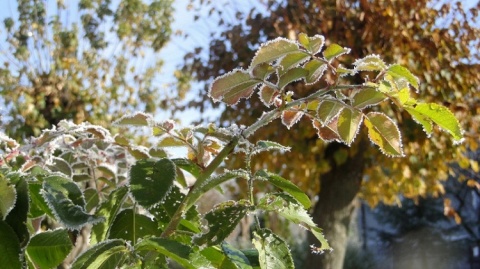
x=273 y=114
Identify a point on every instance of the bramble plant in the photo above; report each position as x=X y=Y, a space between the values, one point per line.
x=131 y=204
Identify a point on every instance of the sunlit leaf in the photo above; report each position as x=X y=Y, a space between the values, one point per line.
x=328 y=110
x=267 y=95
x=425 y=113
x=370 y=63
x=222 y=220
x=273 y=50
x=334 y=51
x=174 y=250
x=151 y=180
x=290 y=117
x=328 y=132
x=312 y=44
x=38 y=205
x=17 y=218
x=398 y=71
x=384 y=133
x=105 y=255
x=232 y=86
x=292 y=60
x=137 y=119
x=349 y=121
x=367 y=97
x=48 y=249
x=273 y=251
x=315 y=70
x=263 y=71
x=67 y=203
x=132 y=226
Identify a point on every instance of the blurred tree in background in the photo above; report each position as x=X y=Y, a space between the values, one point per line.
x=437 y=40
x=83 y=60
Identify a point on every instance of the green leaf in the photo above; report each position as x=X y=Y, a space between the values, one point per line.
x=38 y=206
x=273 y=50
x=172 y=249
x=91 y=199
x=334 y=51
x=315 y=69
x=265 y=145
x=370 y=63
x=215 y=181
x=8 y=195
x=312 y=44
x=367 y=97
x=267 y=95
x=232 y=86
x=189 y=166
x=17 y=218
x=262 y=71
x=48 y=249
x=131 y=227
x=105 y=255
x=290 y=76
x=292 y=60
x=286 y=186
x=384 y=133
x=151 y=180
x=236 y=256
x=9 y=247
x=398 y=71
x=108 y=210
x=328 y=110
x=348 y=125
x=291 y=209
x=222 y=220
x=137 y=119
x=273 y=250
x=66 y=201
x=425 y=113
x=170 y=141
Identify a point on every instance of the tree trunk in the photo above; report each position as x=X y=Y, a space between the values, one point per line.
x=333 y=211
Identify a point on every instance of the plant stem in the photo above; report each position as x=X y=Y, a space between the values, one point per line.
x=188 y=201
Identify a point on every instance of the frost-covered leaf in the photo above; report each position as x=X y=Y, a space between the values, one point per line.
x=290 y=117
x=232 y=86
x=367 y=97
x=60 y=165
x=384 y=133
x=17 y=218
x=157 y=152
x=108 y=210
x=236 y=256
x=273 y=50
x=328 y=110
x=265 y=145
x=151 y=180
x=334 y=51
x=263 y=71
x=174 y=250
x=105 y=255
x=91 y=199
x=137 y=119
x=273 y=251
x=38 y=205
x=291 y=209
x=425 y=113
x=67 y=203
x=132 y=226
x=290 y=76
x=315 y=69
x=404 y=97
x=292 y=60
x=222 y=220
x=48 y=249
x=328 y=132
x=9 y=247
x=371 y=62
x=139 y=153
x=400 y=72
x=267 y=95
x=312 y=44
x=8 y=195
x=349 y=121
x=286 y=186
x=170 y=141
